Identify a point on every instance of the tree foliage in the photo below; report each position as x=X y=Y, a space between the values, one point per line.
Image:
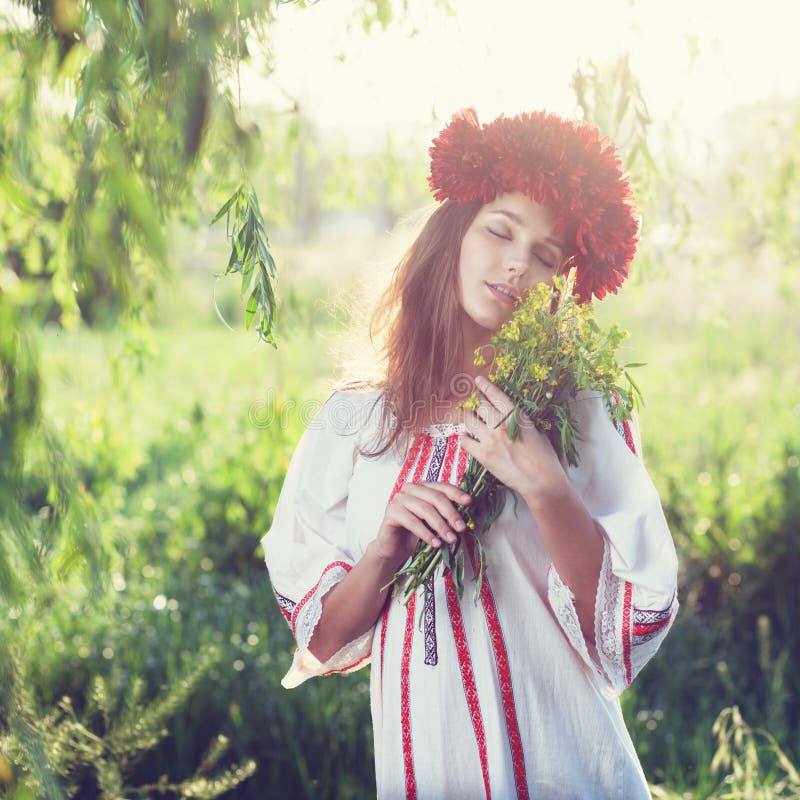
x=610 y=96
x=111 y=111
x=107 y=119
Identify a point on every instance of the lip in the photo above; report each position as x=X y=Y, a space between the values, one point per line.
x=503 y=297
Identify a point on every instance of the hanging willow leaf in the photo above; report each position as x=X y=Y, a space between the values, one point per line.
x=252 y=259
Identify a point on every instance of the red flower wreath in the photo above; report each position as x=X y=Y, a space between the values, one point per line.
x=563 y=164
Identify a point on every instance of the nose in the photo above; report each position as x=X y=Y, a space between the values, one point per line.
x=517 y=266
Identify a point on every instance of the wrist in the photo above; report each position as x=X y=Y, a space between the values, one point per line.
x=545 y=494
x=384 y=559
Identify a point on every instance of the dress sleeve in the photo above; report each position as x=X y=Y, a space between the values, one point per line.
x=306 y=548
x=636 y=592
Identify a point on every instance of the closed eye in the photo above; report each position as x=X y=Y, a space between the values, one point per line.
x=545 y=262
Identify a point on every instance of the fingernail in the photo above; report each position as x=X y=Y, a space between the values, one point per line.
x=460 y=525
x=451 y=538
x=436 y=541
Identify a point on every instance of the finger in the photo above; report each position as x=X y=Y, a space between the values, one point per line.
x=494 y=394
x=489 y=415
x=472 y=447
x=437 y=519
x=415 y=526
x=482 y=411
x=474 y=424
x=442 y=503
x=448 y=489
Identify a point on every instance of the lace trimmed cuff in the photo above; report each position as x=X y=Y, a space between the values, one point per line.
x=303 y=619
x=625 y=637
x=562 y=601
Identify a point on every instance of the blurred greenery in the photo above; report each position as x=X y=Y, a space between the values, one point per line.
x=122 y=127
x=143 y=443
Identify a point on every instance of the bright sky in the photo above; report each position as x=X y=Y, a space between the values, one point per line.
x=698 y=57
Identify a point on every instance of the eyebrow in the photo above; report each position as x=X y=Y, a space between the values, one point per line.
x=518 y=219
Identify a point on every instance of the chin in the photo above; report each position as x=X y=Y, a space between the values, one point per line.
x=490 y=323
x=492 y=326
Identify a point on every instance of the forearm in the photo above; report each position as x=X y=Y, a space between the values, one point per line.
x=352 y=606
x=575 y=543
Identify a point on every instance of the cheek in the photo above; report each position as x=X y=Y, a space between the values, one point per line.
x=466 y=271
x=541 y=275
x=471 y=263
x=460 y=288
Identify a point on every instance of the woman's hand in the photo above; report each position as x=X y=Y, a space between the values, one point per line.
x=529 y=464
x=419 y=511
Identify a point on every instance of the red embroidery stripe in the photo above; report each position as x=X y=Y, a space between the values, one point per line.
x=409 y=462
x=467 y=677
x=310 y=593
x=411 y=459
x=628 y=435
x=405 y=702
x=626 y=428
x=642 y=628
x=504 y=678
x=626 y=631
x=349 y=667
x=447 y=469
x=462 y=466
x=423 y=459
x=384 y=625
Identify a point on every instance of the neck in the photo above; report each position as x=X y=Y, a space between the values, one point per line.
x=473 y=338
x=460 y=385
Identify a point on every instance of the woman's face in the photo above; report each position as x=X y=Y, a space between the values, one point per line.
x=508 y=249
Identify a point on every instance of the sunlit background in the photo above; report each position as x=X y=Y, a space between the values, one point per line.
x=695 y=61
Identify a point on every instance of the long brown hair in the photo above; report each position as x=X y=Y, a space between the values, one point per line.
x=418 y=318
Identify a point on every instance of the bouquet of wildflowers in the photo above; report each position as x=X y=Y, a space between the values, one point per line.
x=550 y=349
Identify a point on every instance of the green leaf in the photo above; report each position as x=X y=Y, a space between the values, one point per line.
x=447 y=558
x=12 y=190
x=633 y=383
x=533 y=408
x=251 y=256
x=227 y=205
x=247 y=274
x=250 y=311
x=140 y=208
x=136 y=14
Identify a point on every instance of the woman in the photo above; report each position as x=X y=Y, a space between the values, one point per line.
x=514 y=695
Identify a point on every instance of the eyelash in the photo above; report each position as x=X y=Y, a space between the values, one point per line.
x=508 y=239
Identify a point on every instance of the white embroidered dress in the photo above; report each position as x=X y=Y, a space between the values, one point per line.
x=503 y=698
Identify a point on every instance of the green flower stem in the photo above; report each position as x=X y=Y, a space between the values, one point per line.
x=433 y=557
x=478 y=483
x=437 y=557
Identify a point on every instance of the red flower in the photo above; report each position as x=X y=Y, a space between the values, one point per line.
x=560 y=163
x=461 y=165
